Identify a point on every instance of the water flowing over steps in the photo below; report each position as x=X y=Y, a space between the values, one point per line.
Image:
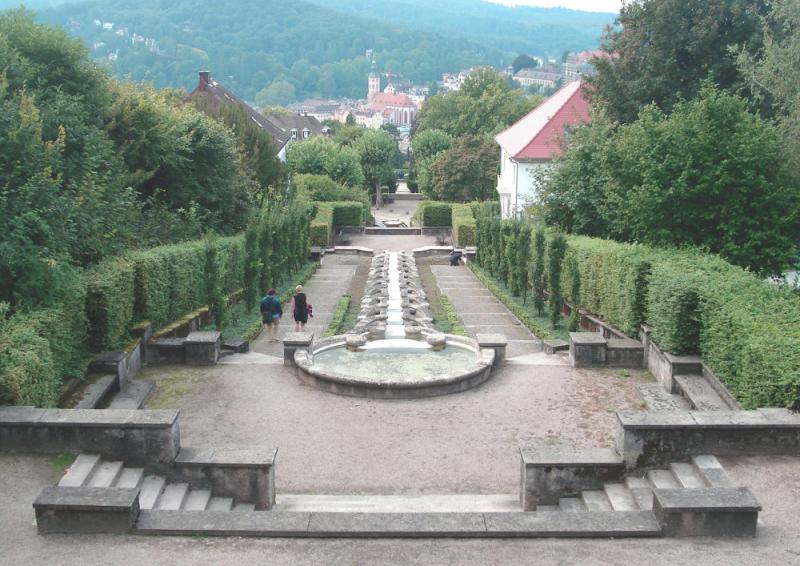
x=89 y=470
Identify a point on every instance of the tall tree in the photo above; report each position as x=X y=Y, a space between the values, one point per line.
x=524 y=61
x=376 y=149
x=467 y=171
x=661 y=51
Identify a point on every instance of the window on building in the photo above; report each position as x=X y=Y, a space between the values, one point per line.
x=306 y=133
x=294 y=133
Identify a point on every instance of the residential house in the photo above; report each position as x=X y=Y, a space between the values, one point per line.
x=284 y=129
x=528 y=147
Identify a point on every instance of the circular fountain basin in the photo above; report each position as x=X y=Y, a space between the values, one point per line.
x=395 y=368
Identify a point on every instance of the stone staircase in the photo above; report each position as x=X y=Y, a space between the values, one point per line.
x=90 y=470
x=636 y=493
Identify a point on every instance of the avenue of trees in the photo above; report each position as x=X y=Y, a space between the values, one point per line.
x=455 y=157
x=693 y=139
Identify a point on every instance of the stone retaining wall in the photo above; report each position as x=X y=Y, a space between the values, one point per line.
x=136 y=437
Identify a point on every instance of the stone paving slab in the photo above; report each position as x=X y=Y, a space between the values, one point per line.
x=510 y=332
x=505 y=319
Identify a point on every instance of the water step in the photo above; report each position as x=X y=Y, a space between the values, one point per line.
x=662 y=479
x=220 y=504
x=620 y=497
x=106 y=474
x=80 y=471
x=130 y=477
x=197 y=500
x=134 y=395
x=712 y=471
x=173 y=496
x=571 y=504
x=657 y=399
x=243 y=507
x=701 y=395
x=596 y=500
x=397 y=503
x=152 y=486
x=687 y=476
x=395 y=525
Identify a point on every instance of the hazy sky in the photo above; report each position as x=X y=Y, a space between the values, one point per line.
x=588 y=5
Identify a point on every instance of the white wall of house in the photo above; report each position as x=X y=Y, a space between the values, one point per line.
x=516 y=184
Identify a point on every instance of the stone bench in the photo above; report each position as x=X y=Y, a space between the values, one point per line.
x=86 y=510
x=711 y=511
x=496 y=342
x=166 y=351
x=552 y=346
x=202 y=348
x=648 y=439
x=591 y=349
x=136 y=437
x=549 y=473
x=245 y=475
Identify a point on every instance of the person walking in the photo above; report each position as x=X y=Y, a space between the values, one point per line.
x=300 y=309
x=271 y=313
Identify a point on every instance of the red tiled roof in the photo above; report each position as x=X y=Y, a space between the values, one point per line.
x=538 y=135
x=383 y=99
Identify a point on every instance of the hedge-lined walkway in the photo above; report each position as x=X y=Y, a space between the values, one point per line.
x=482 y=312
x=331 y=280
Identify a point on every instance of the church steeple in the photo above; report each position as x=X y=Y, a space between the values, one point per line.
x=373 y=83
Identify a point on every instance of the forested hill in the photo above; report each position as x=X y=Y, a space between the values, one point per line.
x=298 y=48
x=521 y=29
x=278 y=51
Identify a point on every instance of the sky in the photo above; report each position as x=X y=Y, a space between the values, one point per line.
x=587 y=5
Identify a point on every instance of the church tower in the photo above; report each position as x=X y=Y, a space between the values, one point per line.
x=373 y=83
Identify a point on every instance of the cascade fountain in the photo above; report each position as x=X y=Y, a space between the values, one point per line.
x=394 y=351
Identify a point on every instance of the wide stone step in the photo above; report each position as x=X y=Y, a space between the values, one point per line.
x=700 y=394
x=662 y=479
x=152 y=486
x=397 y=503
x=571 y=504
x=106 y=474
x=244 y=507
x=687 y=475
x=620 y=497
x=596 y=500
x=133 y=396
x=197 y=500
x=642 y=491
x=130 y=477
x=220 y=504
x=80 y=471
x=173 y=496
x=712 y=471
x=399 y=525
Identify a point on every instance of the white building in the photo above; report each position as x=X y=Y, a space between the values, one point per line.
x=528 y=147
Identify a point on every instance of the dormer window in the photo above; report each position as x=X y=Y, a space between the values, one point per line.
x=294 y=133
x=306 y=133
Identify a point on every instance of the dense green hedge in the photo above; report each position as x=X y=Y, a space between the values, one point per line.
x=746 y=329
x=464 y=227
x=432 y=213
x=331 y=215
x=96 y=307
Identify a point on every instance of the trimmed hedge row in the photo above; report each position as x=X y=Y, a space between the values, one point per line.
x=97 y=307
x=746 y=329
x=330 y=215
x=465 y=231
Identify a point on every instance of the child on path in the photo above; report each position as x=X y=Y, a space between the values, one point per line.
x=300 y=309
x=271 y=313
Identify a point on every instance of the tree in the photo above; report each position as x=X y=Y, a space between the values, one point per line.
x=467 y=171
x=324 y=189
x=485 y=104
x=773 y=74
x=350 y=120
x=430 y=143
x=523 y=61
x=555 y=258
x=537 y=271
x=376 y=149
x=662 y=50
x=277 y=93
x=323 y=156
x=710 y=175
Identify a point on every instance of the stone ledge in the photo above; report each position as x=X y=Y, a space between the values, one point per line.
x=87 y=418
x=587 y=338
x=86 y=498
x=581 y=524
x=760 y=418
x=553 y=346
x=396 y=524
x=223 y=523
x=707 y=499
x=491 y=340
x=226 y=458
x=569 y=455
